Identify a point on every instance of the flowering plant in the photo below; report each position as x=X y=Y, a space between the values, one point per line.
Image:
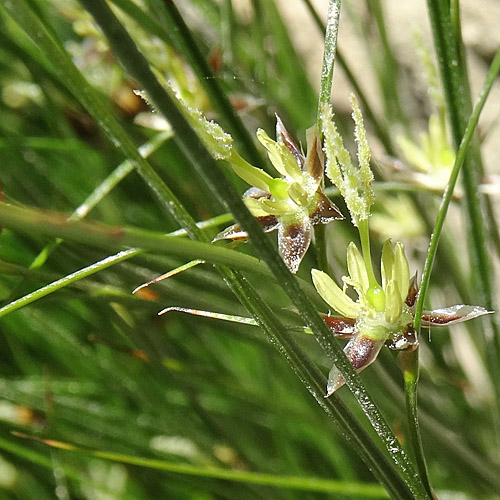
x=293 y=203
x=382 y=314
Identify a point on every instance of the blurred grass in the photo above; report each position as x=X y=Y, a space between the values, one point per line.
x=93 y=366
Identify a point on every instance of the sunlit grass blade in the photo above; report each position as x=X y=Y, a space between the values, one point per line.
x=207 y=314
x=69 y=279
x=356 y=490
x=165 y=276
x=34 y=221
x=459 y=104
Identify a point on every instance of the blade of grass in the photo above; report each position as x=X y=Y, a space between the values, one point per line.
x=43 y=35
x=69 y=279
x=448 y=193
x=43 y=461
x=331 y=33
x=494 y=231
x=95 y=104
x=34 y=221
x=452 y=443
x=410 y=366
x=458 y=99
x=91 y=201
x=131 y=58
x=357 y=490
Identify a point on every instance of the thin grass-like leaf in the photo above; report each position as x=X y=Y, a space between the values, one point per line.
x=69 y=279
x=411 y=364
x=356 y=490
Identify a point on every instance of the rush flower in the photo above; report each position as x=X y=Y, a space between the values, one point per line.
x=382 y=315
x=292 y=203
x=430 y=159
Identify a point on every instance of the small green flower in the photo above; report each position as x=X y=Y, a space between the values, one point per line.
x=292 y=203
x=431 y=159
x=380 y=315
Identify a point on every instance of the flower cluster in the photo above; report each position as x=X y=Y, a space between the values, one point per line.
x=381 y=315
x=292 y=203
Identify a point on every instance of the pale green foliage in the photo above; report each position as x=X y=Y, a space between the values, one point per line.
x=433 y=154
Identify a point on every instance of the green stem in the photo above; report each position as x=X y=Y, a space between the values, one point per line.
x=357 y=490
x=67 y=280
x=331 y=32
x=410 y=368
x=411 y=387
x=459 y=162
x=34 y=222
